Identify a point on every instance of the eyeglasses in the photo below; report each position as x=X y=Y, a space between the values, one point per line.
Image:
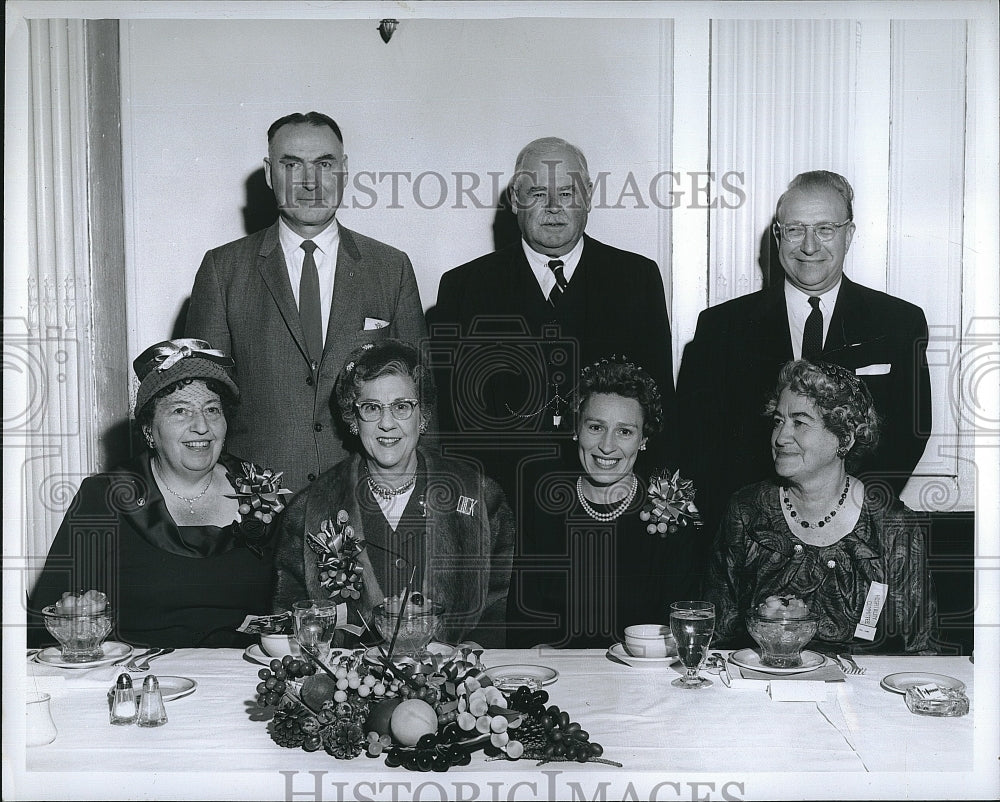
x=796 y=232
x=371 y=411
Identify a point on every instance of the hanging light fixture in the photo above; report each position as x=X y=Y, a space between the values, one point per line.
x=386 y=28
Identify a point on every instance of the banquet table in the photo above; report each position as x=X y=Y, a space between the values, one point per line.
x=652 y=729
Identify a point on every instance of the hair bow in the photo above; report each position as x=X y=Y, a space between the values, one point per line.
x=165 y=355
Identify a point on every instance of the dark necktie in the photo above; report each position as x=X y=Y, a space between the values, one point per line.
x=556 y=266
x=309 y=313
x=812 y=334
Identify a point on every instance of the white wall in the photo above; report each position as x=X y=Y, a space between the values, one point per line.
x=442 y=96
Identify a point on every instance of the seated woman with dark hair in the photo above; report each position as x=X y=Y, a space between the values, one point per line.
x=164 y=536
x=817 y=533
x=586 y=564
x=435 y=525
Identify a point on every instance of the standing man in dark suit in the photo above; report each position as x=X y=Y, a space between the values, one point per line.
x=817 y=313
x=512 y=329
x=290 y=302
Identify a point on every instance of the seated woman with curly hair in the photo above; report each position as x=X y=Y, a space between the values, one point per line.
x=434 y=525
x=586 y=565
x=817 y=533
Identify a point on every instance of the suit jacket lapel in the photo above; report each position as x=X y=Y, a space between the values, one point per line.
x=274 y=272
x=346 y=298
x=849 y=324
x=773 y=339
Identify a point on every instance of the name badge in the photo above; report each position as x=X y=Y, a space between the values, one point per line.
x=466 y=505
x=877 y=593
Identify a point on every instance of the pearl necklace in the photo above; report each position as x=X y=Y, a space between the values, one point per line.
x=193 y=499
x=612 y=514
x=827 y=518
x=386 y=493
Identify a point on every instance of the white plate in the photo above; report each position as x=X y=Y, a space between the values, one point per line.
x=255 y=654
x=501 y=675
x=618 y=652
x=898 y=683
x=113 y=650
x=170 y=687
x=748 y=658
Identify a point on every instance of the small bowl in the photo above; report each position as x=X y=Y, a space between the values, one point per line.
x=781 y=638
x=280 y=645
x=417 y=628
x=650 y=640
x=80 y=634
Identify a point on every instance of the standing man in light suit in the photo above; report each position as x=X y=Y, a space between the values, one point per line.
x=817 y=313
x=290 y=302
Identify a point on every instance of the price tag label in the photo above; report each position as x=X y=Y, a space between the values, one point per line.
x=877 y=593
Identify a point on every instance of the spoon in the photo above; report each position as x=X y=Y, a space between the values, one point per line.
x=144 y=665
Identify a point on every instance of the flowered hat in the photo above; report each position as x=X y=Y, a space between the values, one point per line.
x=171 y=361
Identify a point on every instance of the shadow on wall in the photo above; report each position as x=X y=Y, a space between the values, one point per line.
x=260 y=210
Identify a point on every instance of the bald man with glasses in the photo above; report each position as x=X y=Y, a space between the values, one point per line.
x=817 y=313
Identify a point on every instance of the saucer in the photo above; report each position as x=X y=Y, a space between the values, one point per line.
x=510 y=675
x=255 y=654
x=618 y=652
x=899 y=683
x=748 y=658
x=113 y=650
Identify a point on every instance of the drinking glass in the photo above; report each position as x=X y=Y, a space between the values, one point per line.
x=692 y=624
x=315 y=622
x=40 y=728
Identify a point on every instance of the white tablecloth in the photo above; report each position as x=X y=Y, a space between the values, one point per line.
x=658 y=733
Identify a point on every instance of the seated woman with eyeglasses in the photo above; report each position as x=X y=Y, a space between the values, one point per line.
x=435 y=525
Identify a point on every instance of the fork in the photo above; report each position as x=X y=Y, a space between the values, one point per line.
x=855 y=668
x=144 y=665
x=131 y=659
x=133 y=664
x=840 y=663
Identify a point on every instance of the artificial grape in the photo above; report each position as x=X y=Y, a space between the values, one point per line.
x=582 y=757
x=272 y=698
x=275 y=664
x=427 y=741
x=312 y=743
x=661 y=528
x=547 y=722
x=498 y=724
x=405 y=692
x=379 y=689
x=270 y=682
x=364 y=690
x=582 y=735
x=370 y=681
x=263 y=673
x=540 y=697
x=262 y=687
x=286 y=660
x=572 y=727
x=280 y=686
x=550 y=750
x=553 y=711
x=564 y=719
x=340 y=696
x=424 y=762
x=651 y=529
x=515 y=749
x=500 y=739
x=556 y=736
x=596 y=750
x=643 y=515
x=440 y=764
x=280 y=674
x=343 y=684
x=483 y=724
x=464 y=759
x=420 y=680
x=340 y=673
x=294 y=666
x=393 y=759
x=308 y=670
x=558 y=750
x=672 y=529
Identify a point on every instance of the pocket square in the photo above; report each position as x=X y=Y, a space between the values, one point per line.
x=873 y=370
x=372 y=323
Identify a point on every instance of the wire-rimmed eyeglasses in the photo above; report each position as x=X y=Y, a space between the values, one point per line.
x=796 y=232
x=371 y=410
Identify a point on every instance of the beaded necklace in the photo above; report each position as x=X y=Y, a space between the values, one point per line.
x=826 y=519
x=612 y=514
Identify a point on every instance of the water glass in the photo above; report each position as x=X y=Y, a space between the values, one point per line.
x=315 y=622
x=40 y=729
x=692 y=624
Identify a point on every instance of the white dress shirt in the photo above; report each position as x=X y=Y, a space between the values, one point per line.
x=539 y=263
x=325 y=256
x=798 y=307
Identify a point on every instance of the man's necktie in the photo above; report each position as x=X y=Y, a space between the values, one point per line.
x=812 y=334
x=309 y=313
x=556 y=266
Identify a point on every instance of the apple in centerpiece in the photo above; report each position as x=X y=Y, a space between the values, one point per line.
x=90 y=603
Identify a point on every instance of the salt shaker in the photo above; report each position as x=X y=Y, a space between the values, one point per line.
x=152 y=713
x=123 y=707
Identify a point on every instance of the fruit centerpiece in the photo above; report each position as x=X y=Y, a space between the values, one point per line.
x=421 y=716
x=782 y=626
x=80 y=622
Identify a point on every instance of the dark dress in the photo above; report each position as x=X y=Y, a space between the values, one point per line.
x=168 y=585
x=578 y=582
x=757 y=555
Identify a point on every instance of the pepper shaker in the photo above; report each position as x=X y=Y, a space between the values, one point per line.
x=152 y=713
x=123 y=707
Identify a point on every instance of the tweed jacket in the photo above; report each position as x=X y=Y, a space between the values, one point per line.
x=242 y=303
x=470 y=541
